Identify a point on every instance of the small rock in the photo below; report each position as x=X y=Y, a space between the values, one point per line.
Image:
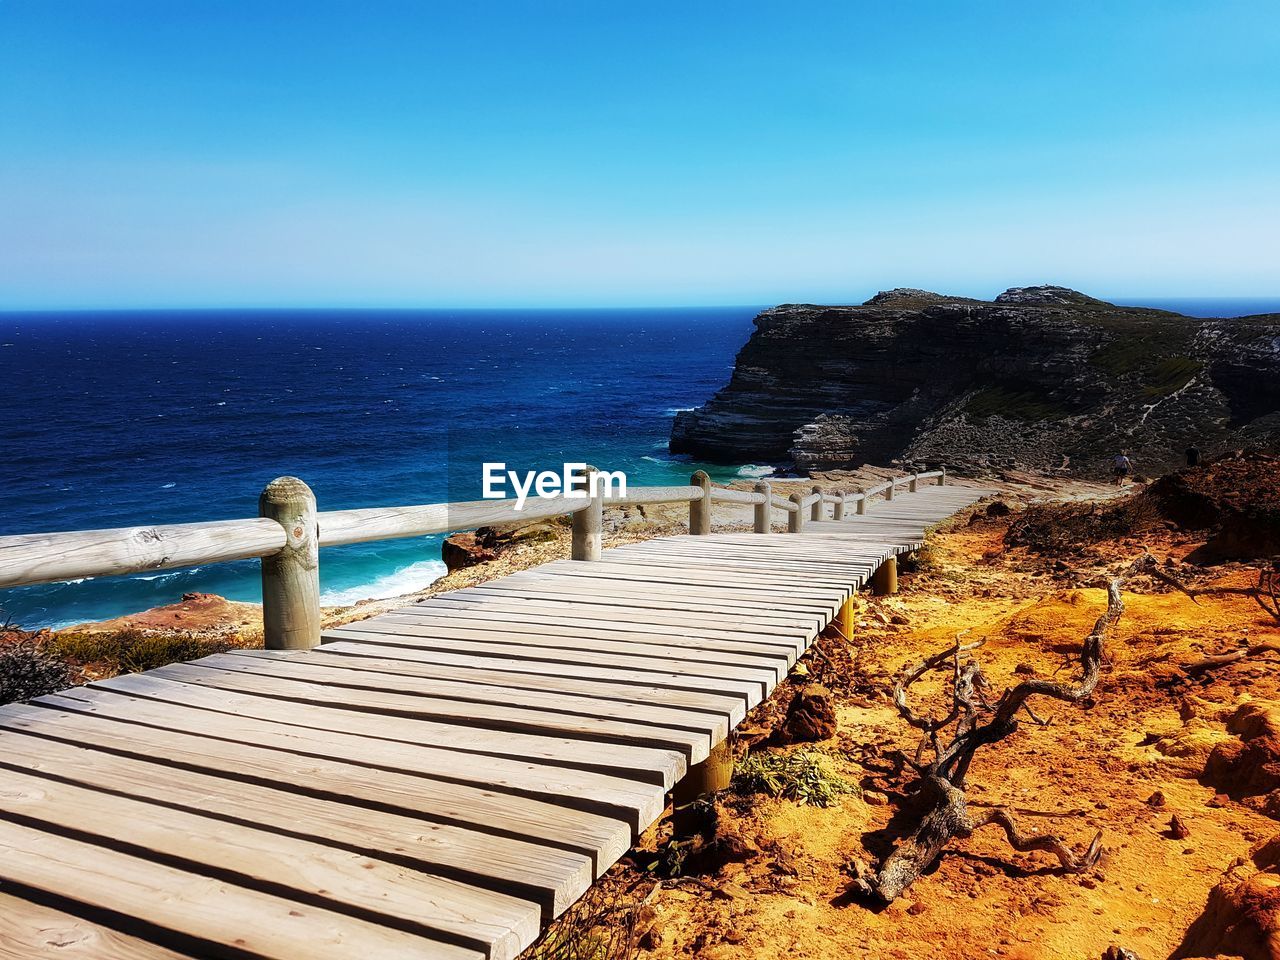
x=1156 y=799
x=875 y=798
x=811 y=716
x=1178 y=828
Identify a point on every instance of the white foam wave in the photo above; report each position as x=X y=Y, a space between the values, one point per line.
x=167 y=576
x=406 y=580
x=672 y=411
x=756 y=470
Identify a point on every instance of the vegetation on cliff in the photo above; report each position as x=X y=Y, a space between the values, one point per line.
x=1040 y=378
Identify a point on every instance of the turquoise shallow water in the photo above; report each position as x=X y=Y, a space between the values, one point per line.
x=114 y=419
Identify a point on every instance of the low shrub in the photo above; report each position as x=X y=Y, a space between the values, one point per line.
x=28 y=670
x=132 y=651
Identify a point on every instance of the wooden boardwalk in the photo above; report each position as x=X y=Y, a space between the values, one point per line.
x=438 y=781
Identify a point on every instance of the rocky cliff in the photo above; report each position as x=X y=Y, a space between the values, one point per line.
x=1042 y=378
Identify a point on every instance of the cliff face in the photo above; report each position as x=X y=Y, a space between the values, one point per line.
x=1042 y=378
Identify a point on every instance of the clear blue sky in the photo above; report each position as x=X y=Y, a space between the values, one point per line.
x=181 y=152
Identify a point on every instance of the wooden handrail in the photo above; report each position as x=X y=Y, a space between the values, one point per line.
x=639 y=496
x=341 y=527
x=730 y=495
x=289 y=532
x=49 y=557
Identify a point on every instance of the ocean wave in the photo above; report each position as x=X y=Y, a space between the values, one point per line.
x=406 y=580
x=168 y=576
x=756 y=470
x=672 y=411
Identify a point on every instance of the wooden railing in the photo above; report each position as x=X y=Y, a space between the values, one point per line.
x=289 y=532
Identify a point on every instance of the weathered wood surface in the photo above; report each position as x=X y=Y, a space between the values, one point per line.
x=438 y=781
x=44 y=557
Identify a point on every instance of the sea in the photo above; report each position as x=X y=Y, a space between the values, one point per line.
x=127 y=418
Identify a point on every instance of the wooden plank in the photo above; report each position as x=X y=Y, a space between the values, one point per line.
x=733 y=708
x=746 y=582
x=196 y=914
x=610 y=796
x=770 y=655
x=667 y=604
x=495 y=923
x=663 y=594
x=660 y=584
x=536 y=649
x=746 y=576
x=694 y=744
x=815 y=565
x=727 y=623
x=713 y=723
x=605 y=629
x=32 y=931
x=546 y=875
x=603 y=839
x=644 y=764
x=749 y=693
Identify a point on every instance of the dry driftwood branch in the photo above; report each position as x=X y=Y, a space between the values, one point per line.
x=942 y=780
x=1213 y=661
x=1266 y=592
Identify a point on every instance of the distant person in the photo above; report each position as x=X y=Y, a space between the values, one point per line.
x=1121 y=467
x=1193 y=457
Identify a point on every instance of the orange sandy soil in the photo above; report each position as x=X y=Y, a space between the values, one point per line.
x=1092 y=768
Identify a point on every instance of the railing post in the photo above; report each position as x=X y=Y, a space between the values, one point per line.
x=762 y=509
x=942 y=477
x=291 y=578
x=884 y=582
x=587 y=526
x=845 y=618
x=700 y=510
x=911 y=487
x=815 y=512
x=703 y=780
x=862 y=503
x=888 y=494
x=837 y=511
x=795 y=518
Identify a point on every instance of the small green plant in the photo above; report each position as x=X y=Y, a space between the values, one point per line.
x=1170 y=375
x=1030 y=405
x=801 y=776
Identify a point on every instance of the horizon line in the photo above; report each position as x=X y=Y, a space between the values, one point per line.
x=1118 y=300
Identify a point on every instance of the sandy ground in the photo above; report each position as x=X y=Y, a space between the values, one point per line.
x=1146 y=734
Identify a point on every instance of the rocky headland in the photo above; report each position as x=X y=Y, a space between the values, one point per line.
x=1042 y=378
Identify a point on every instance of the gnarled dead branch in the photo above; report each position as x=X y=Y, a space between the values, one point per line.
x=972 y=722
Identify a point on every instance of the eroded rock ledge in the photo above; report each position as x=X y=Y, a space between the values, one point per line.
x=1043 y=378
